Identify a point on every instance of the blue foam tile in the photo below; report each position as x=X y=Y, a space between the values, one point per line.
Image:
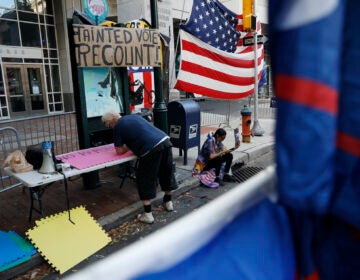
x=11 y=253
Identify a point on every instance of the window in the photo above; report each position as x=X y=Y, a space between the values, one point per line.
x=9 y=33
x=30 y=23
x=30 y=35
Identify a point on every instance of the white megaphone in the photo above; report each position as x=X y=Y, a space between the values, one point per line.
x=48 y=165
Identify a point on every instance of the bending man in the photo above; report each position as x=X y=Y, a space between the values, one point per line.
x=153 y=148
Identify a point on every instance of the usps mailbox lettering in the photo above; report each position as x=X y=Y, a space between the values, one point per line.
x=193 y=131
x=175 y=131
x=184 y=124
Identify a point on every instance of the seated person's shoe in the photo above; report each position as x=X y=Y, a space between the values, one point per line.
x=220 y=182
x=168 y=206
x=228 y=178
x=146 y=218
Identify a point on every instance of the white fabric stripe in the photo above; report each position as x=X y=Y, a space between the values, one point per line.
x=206 y=62
x=296 y=13
x=212 y=84
x=243 y=50
x=246 y=56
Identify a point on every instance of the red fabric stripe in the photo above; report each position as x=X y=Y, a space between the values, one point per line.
x=147 y=76
x=231 y=61
x=348 y=143
x=248 y=49
x=131 y=80
x=306 y=92
x=217 y=75
x=181 y=85
x=240 y=27
x=312 y=276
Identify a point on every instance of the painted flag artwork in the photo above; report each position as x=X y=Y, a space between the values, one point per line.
x=141 y=81
x=315 y=54
x=213 y=61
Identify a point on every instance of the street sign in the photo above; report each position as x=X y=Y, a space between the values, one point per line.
x=249 y=40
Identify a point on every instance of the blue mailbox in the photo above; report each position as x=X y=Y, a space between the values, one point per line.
x=184 y=125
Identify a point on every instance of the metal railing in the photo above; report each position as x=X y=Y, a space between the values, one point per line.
x=61 y=129
x=9 y=142
x=231 y=110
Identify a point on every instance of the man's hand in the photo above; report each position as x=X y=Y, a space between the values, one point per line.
x=121 y=150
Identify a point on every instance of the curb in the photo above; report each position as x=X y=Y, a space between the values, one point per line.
x=253 y=153
x=115 y=219
x=129 y=212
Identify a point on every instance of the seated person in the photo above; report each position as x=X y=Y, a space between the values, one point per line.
x=214 y=154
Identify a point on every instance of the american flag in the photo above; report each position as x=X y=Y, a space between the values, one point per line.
x=214 y=24
x=208 y=65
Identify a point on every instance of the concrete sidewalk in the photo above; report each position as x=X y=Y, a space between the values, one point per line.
x=247 y=152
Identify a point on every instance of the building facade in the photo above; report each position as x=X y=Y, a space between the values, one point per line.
x=35 y=67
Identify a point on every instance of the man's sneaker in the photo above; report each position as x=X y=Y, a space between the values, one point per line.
x=220 y=182
x=168 y=206
x=146 y=218
x=228 y=178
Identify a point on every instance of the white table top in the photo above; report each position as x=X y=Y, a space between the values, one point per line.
x=33 y=178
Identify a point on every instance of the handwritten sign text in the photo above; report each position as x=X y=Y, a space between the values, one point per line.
x=99 y=46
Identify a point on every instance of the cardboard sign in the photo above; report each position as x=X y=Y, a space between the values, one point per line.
x=102 y=46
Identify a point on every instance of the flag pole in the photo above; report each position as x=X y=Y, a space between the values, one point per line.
x=256 y=129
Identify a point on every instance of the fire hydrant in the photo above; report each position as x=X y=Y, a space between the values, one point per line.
x=246 y=123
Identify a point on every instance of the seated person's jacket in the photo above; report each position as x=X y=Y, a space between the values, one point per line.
x=209 y=147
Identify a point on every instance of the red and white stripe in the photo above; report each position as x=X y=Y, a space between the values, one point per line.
x=211 y=72
x=147 y=78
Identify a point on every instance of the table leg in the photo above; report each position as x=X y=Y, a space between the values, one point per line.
x=129 y=172
x=67 y=197
x=35 y=193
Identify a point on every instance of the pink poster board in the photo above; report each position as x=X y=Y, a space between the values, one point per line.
x=93 y=156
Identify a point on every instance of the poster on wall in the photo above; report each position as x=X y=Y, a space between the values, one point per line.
x=142 y=92
x=101 y=91
x=96 y=9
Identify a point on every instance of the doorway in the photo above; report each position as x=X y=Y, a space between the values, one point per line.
x=25 y=89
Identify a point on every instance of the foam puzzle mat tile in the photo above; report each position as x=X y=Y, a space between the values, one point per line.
x=25 y=245
x=12 y=251
x=64 y=244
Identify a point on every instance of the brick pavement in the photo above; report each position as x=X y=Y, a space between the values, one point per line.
x=100 y=202
x=109 y=198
